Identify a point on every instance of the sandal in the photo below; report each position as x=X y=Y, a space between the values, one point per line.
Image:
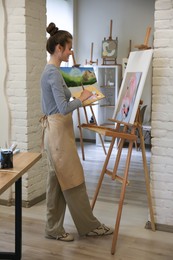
x=101 y=231
x=66 y=237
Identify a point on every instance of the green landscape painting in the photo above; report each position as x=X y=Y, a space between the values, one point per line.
x=78 y=76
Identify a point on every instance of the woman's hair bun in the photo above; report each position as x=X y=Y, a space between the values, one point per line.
x=52 y=29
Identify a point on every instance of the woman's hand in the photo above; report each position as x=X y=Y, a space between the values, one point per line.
x=85 y=95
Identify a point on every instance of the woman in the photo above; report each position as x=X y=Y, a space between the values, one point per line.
x=65 y=182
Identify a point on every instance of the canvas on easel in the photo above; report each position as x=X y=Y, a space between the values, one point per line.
x=136 y=71
x=128 y=96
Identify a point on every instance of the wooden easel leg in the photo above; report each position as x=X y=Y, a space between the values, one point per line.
x=86 y=116
x=120 y=147
x=80 y=132
x=103 y=172
x=147 y=181
x=101 y=139
x=122 y=195
x=118 y=156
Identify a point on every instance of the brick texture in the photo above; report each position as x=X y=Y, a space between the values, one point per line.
x=161 y=168
x=26 y=57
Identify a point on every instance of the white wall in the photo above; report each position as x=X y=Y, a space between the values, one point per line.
x=60 y=12
x=90 y=22
x=130 y=20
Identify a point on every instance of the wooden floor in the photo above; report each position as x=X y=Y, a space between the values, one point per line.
x=134 y=241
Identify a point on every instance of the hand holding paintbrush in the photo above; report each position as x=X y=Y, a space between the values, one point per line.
x=85 y=94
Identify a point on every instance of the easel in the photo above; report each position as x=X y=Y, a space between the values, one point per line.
x=74 y=61
x=145 y=45
x=110 y=60
x=91 y=62
x=131 y=137
x=80 y=125
x=86 y=117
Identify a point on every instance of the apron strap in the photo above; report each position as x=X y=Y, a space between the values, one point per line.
x=44 y=123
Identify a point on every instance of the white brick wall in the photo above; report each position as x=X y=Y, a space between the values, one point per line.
x=26 y=57
x=161 y=168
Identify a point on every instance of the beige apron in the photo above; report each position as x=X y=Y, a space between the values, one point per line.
x=59 y=141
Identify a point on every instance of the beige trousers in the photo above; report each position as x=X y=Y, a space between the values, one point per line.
x=77 y=201
x=65 y=181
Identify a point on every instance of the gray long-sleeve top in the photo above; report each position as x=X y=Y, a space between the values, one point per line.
x=55 y=93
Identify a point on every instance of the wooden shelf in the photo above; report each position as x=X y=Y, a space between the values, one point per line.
x=108 y=124
x=108 y=87
x=109 y=81
x=104 y=105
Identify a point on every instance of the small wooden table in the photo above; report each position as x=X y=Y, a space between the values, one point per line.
x=22 y=162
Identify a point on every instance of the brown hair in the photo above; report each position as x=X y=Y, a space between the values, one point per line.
x=56 y=37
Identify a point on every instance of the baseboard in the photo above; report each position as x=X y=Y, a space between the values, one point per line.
x=160 y=227
x=6 y=202
x=86 y=140
x=25 y=204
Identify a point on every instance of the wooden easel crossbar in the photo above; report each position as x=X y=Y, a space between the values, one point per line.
x=129 y=135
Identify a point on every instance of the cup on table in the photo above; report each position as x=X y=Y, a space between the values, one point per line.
x=6 y=159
